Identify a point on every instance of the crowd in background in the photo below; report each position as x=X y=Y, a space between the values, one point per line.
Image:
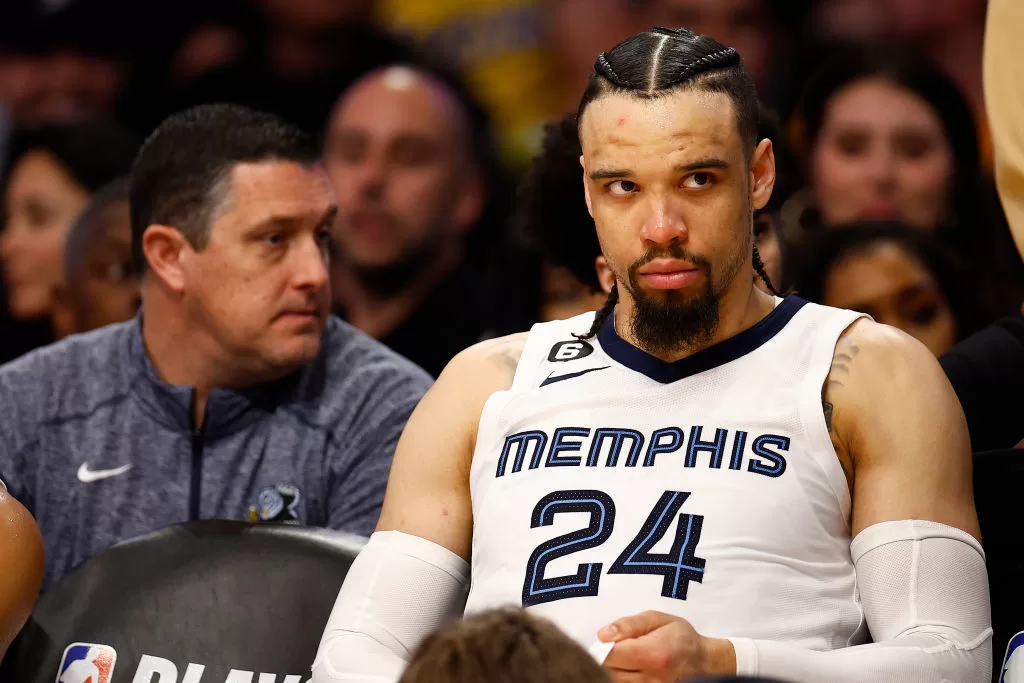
x=885 y=201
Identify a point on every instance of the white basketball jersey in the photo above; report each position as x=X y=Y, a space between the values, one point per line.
x=607 y=482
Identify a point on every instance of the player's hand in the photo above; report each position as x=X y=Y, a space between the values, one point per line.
x=654 y=647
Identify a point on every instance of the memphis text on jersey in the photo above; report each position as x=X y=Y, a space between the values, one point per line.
x=622 y=447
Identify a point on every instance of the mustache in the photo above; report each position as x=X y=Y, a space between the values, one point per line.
x=674 y=251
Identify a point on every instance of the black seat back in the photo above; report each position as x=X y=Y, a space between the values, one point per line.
x=999 y=497
x=221 y=595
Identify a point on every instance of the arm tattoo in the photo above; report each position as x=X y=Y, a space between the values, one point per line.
x=846 y=351
x=827 y=407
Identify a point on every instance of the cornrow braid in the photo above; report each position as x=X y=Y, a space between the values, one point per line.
x=602 y=314
x=716 y=60
x=762 y=273
x=605 y=69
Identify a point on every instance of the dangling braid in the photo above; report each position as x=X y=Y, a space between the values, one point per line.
x=602 y=315
x=762 y=273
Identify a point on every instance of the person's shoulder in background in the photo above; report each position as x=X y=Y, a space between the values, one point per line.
x=987 y=374
x=356 y=381
x=71 y=375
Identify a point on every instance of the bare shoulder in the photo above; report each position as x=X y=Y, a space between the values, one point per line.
x=490 y=364
x=881 y=352
x=882 y=378
x=470 y=378
x=21 y=566
x=428 y=489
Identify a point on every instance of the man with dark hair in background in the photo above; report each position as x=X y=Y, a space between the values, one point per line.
x=703 y=477
x=407 y=152
x=233 y=394
x=101 y=285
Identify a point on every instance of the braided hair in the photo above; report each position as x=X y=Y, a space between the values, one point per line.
x=663 y=60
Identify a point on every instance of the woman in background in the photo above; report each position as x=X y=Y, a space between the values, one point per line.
x=896 y=274
x=51 y=173
x=886 y=135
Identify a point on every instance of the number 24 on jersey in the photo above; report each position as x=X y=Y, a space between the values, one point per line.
x=678 y=566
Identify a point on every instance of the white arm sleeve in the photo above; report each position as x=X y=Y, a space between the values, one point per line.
x=924 y=591
x=398 y=590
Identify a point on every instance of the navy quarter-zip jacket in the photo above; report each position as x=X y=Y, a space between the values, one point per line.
x=99 y=449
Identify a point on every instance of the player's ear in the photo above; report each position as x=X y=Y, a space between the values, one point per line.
x=762 y=174
x=586 y=188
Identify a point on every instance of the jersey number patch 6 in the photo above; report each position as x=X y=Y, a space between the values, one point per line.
x=678 y=566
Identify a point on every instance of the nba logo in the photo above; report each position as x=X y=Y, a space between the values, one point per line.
x=1013 y=662
x=87 y=663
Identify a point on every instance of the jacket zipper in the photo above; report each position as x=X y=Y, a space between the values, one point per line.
x=196 y=488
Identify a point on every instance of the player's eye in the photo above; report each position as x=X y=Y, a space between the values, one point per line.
x=274 y=238
x=698 y=181
x=622 y=187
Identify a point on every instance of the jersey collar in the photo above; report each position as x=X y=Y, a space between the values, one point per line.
x=721 y=353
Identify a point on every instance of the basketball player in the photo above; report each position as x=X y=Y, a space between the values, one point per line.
x=702 y=478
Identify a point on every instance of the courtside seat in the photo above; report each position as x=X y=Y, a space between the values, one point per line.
x=219 y=595
x=999 y=497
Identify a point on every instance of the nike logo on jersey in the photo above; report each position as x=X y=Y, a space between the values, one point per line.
x=551 y=379
x=87 y=476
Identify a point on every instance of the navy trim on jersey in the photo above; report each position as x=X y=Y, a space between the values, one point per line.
x=724 y=352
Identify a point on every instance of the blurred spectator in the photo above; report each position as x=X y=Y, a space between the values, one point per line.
x=290 y=59
x=575 y=31
x=886 y=135
x=299 y=32
x=52 y=171
x=234 y=394
x=552 y=217
x=62 y=62
x=951 y=33
x=499 y=45
x=860 y=21
x=747 y=25
x=101 y=286
x=502 y=646
x=408 y=153
x=987 y=369
x=896 y=274
x=768 y=233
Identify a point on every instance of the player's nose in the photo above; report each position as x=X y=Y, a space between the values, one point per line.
x=663 y=223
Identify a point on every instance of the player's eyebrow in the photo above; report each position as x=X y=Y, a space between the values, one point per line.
x=701 y=164
x=605 y=173
x=697 y=165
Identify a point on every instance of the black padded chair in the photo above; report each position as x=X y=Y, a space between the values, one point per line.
x=999 y=497
x=223 y=595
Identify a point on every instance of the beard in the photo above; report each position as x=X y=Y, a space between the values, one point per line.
x=386 y=280
x=677 y=321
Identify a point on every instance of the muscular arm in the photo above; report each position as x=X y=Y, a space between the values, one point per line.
x=428 y=489
x=21 y=567
x=896 y=419
x=902 y=437
x=413 y=573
